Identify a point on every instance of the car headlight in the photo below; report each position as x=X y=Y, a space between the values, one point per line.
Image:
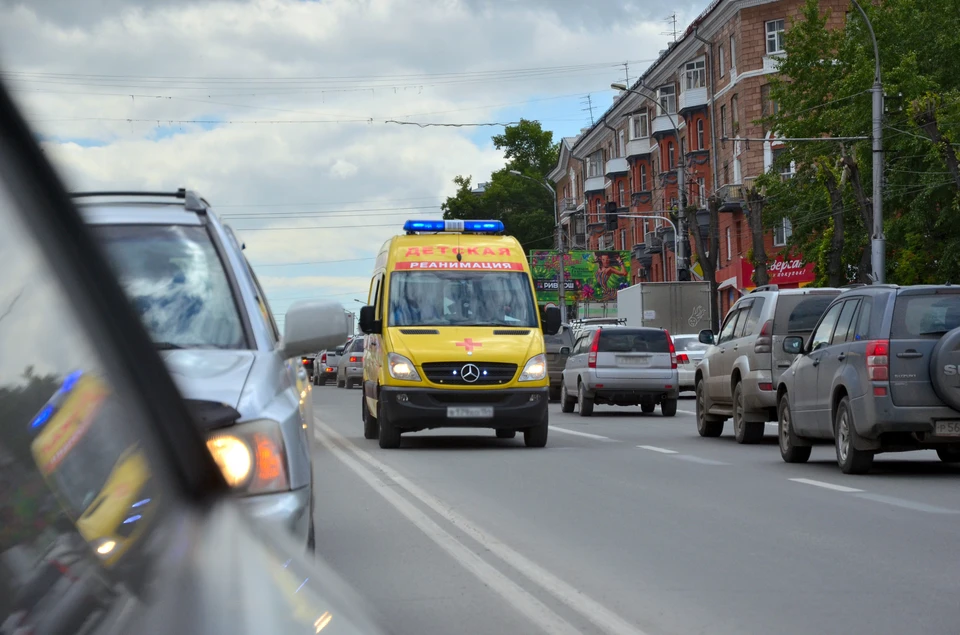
x=535 y=369
x=104 y=547
x=251 y=457
x=402 y=368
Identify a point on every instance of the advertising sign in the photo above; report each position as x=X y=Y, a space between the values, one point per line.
x=590 y=276
x=789 y=272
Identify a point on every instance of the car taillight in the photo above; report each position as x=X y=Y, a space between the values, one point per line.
x=323 y=358
x=673 y=350
x=353 y=358
x=306 y=361
x=764 y=343
x=878 y=360
x=683 y=359
x=592 y=355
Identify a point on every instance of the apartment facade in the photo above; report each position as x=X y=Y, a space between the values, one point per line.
x=697 y=107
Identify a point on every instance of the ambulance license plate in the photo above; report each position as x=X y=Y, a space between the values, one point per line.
x=461 y=412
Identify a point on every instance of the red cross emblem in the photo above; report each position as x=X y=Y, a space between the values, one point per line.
x=468 y=345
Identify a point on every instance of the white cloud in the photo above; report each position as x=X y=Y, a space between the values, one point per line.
x=274 y=109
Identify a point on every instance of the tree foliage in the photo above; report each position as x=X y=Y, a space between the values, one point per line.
x=524 y=206
x=823 y=90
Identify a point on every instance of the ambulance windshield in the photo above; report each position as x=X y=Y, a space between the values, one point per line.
x=461 y=298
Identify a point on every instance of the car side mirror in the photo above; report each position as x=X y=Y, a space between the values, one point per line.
x=551 y=322
x=369 y=323
x=793 y=345
x=564 y=350
x=706 y=337
x=312 y=325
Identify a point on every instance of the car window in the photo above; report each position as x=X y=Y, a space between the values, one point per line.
x=633 y=341
x=925 y=316
x=821 y=337
x=862 y=330
x=798 y=314
x=264 y=304
x=689 y=344
x=845 y=322
x=176 y=282
x=749 y=325
x=726 y=333
x=78 y=493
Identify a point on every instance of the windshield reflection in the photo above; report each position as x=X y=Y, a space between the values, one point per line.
x=461 y=298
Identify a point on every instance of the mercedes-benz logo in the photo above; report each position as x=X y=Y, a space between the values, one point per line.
x=470 y=373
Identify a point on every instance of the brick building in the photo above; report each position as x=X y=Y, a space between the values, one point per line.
x=699 y=104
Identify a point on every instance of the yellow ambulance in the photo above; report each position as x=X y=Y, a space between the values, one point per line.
x=454 y=335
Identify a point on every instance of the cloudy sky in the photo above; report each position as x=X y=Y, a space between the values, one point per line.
x=278 y=111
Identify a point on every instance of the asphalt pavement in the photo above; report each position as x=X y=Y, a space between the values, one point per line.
x=632 y=523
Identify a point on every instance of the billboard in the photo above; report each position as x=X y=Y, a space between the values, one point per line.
x=591 y=276
x=785 y=272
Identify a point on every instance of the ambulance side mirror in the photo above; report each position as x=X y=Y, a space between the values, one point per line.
x=551 y=322
x=368 y=322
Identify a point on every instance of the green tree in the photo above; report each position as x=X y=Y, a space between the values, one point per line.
x=525 y=207
x=822 y=90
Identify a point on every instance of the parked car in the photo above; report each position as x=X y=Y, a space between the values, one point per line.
x=326 y=363
x=201 y=556
x=350 y=364
x=738 y=374
x=558 y=350
x=621 y=366
x=690 y=350
x=878 y=374
x=202 y=304
x=308 y=364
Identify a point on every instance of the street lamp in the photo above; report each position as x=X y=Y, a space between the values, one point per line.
x=562 y=291
x=681 y=181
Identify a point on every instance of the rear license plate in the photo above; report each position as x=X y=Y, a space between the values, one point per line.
x=483 y=412
x=947 y=429
x=633 y=361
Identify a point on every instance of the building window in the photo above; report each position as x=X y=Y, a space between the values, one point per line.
x=733 y=55
x=599 y=211
x=775 y=30
x=768 y=106
x=729 y=245
x=723 y=120
x=595 y=164
x=621 y=194
x=623 y=239
x=573 y=183
x=671 y=161
x=696 y=75
x=639 y=127
x=738 y=229
x=702 y=192
x=734 y=116
x=782 y=232
x=726 y=172
x=701 y=137
x=723 y=68
x=668 y=100
x=623 y=147
x=643 y=177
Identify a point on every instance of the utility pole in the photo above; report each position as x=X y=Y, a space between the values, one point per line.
x=878 y=243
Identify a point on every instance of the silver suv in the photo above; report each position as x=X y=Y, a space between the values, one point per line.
x=621 y=366
x=738 y=375
x=878 y=374
x=187 y=278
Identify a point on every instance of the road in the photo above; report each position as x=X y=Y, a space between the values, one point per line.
x=632 y=523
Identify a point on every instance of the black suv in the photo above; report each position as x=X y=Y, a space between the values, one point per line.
x=880 y=373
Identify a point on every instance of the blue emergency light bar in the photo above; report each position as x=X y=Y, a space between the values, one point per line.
x=472 y=226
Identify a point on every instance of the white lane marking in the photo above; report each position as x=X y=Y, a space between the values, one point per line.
x=525 y=603
x=654 y=448
x=697 y=459
x=906 y=504
x=836 y=488
x=688 y=412
x=581 y=434
x=572 y=597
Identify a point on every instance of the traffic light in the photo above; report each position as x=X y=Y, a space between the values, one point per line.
x=611 y=215
x=683 y=275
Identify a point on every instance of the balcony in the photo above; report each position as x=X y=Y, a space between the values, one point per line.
x=663 y=124
x=640 y=254
x=731 y=197
x=693 y=98
x=653 y=242
x=638 y=147
x=617 y=166
x=568 y=204
x=595 y=184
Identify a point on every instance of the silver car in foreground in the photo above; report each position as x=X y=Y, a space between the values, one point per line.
x=187 y=278
x=621 y=366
